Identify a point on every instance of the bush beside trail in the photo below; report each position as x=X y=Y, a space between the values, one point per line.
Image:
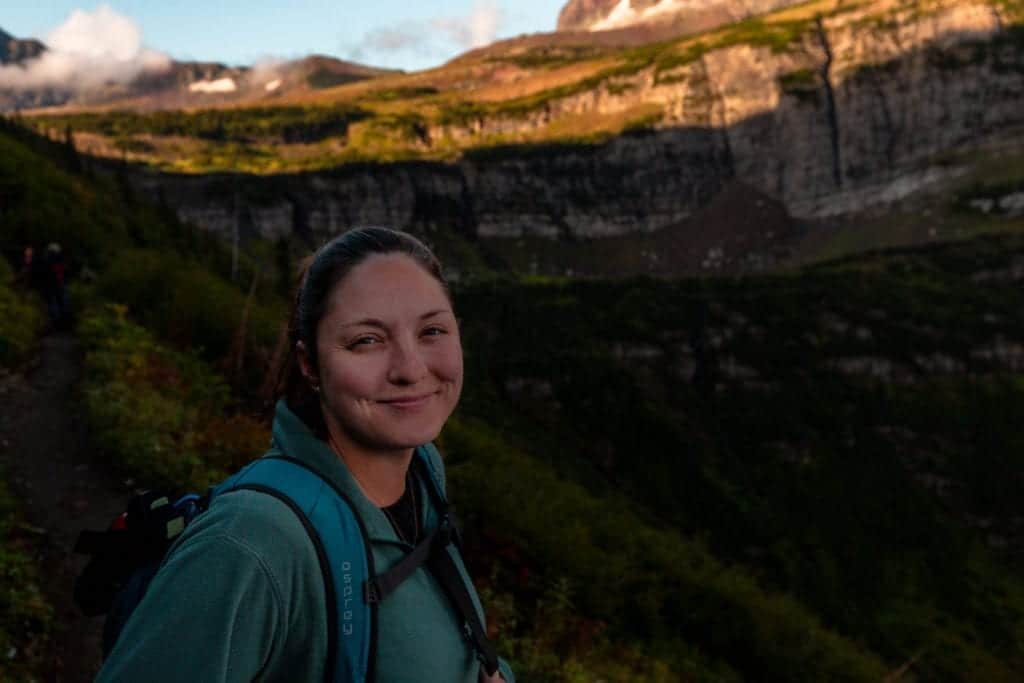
x=26 y=616
x=160 y=414
x=21 y=320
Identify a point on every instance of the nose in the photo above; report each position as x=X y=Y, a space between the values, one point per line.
x=407 y=363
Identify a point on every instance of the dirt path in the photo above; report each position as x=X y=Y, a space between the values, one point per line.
x=45 y=453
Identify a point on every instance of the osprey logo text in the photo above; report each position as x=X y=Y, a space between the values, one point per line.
x=346 y=592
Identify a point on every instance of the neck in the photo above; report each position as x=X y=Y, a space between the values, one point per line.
x=380 y=475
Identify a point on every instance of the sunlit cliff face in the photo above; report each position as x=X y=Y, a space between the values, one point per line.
x=604 y=15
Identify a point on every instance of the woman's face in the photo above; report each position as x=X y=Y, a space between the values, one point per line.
x=390 y=356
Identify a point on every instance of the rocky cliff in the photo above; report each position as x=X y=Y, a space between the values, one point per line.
x=826 y=112
x=687 y=16
x=15 y=50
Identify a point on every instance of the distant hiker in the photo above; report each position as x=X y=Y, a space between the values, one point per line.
x=32 y=272
x=255 y=588
x=54 y=291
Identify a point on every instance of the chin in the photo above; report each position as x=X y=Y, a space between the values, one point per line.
x=402 y=438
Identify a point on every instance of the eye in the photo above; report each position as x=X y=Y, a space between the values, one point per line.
x=434 y=331
x=363 y=342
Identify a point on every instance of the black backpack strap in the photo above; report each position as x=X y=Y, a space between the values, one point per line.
x=442 y=565
x=379 y=587
x=444 y=569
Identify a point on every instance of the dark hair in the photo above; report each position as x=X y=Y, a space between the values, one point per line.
x=318 y=276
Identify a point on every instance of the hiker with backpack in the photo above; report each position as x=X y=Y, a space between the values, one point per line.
x=333 y=557
x=54 y=290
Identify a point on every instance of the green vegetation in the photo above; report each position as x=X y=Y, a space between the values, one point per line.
x=20 y=320
x=277 y=124
x=26 y=616
x=785 y=453
x=404 y=93
x=773 y=479
x=160 y=414
x=325 y=78
x=401 y=122
x=643 y=124
x=803 y=83
x=551 y=56
x=25 y=613
x=662 y=589
x=276 y=139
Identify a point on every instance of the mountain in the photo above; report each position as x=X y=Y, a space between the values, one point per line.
x=683 y=16
x=807 y=477
x=14 y=50
x=202 y=84
x=167 y=84
x=572 y=156
x=856 y=126
x=15 y=53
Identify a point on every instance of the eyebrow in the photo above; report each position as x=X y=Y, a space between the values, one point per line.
x=375 y=322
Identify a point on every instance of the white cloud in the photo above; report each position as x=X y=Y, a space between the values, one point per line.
x=476 y=30
x=431 y=37
x=88 y=50
x=409 y=36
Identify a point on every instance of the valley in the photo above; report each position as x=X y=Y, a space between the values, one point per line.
x=739 y=286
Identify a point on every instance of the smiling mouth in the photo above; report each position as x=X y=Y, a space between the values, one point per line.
x=408 y=401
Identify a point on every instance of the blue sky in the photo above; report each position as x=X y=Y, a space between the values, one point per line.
x=392 y=33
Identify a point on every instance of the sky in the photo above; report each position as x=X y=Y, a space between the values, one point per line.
x=402 y=34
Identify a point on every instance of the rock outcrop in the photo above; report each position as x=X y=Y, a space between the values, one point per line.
x=851 y=112
x=687 y=16
x=13 y=50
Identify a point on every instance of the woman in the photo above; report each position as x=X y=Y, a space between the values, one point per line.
x=378 y=371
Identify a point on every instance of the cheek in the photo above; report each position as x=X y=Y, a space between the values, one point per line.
x=450 y=364
x=349 y=380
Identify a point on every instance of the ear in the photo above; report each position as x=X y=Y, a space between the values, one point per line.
x=306 y=365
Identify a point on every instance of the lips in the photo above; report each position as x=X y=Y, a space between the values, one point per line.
x=408 y=401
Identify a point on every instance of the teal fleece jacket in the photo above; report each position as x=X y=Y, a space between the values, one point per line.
x=240 y=595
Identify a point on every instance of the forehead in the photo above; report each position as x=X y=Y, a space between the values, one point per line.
x=385 y=286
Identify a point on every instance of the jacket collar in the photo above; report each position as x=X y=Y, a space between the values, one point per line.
x=293 y=438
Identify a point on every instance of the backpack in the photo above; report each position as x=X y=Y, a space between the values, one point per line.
x=126 y=557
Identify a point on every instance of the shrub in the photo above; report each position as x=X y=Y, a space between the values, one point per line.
x=20 y=320
x=26 y=615
x=161 y=415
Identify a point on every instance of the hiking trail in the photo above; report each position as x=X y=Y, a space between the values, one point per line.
x=63 y=488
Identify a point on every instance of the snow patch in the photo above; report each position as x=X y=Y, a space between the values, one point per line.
x=273 y=85
x=624 y=15
x=219 y=85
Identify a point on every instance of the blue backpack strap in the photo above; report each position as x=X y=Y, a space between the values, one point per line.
x=442 y=564
x=346 y=562
x=424 y=457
